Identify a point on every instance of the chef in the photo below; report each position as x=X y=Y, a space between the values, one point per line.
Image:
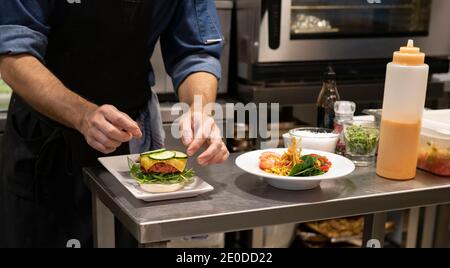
x=81 y=78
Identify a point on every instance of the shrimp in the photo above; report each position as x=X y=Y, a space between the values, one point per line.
x=268 y=160
x=270 y=155
x=267 y=163
x=280 y=164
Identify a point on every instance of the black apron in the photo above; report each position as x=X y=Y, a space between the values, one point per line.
x=100 y=50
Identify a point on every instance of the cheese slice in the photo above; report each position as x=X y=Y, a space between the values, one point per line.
x=179 y=164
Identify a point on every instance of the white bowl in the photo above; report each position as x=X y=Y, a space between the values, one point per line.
x=315 y=139
x=341 y=167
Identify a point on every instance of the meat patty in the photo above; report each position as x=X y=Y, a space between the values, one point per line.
x=162 y=168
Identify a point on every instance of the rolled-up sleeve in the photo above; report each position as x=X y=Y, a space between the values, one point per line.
x=193 y=41
x=23 y=27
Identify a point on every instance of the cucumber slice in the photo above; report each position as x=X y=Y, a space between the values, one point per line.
x=130 y=162
x=154 y=152
x=180 y=155
x=165 y=155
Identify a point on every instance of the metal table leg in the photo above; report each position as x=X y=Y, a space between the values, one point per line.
x=374 y=230
x=103 y=223
x=258 y=237
x=429 y=227
x=442 y=233
x=413 y=227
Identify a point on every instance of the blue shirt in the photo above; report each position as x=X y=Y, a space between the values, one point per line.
x=191 y=39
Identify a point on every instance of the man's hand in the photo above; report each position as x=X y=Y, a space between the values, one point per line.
x=199 y=129
x=105 y=128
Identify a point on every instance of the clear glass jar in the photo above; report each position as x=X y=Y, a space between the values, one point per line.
x=361 y=142
x=344 y=111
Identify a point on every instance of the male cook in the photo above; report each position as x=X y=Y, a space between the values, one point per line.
x=81 y=77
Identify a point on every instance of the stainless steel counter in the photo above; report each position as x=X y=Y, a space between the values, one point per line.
x=241 y=201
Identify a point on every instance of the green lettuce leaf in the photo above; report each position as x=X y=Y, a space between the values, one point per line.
x=143 y=178
x=307 y=168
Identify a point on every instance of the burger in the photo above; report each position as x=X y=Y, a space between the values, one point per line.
x=161 y=171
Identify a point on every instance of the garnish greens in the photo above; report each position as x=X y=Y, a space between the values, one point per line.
x=360 y=140
x=143 y=178
x=309 y=167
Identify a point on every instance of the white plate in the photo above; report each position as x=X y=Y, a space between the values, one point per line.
x=118 y=167
x=341 y=167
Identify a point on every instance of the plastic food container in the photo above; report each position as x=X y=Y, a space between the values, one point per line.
x=434 y=152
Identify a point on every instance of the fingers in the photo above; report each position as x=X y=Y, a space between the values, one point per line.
x=202 y=131
x=195 y=145
x=121 y=120
x=216 y=153
x=106 y=128
x=187 y=134
x=111 y=131
x=104 y=140
x=221 y=157
x=99 y=146
x=137 y=133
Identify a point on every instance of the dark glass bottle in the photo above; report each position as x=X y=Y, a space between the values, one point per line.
x=326 y=100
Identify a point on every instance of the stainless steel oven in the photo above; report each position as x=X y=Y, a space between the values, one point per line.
x=286 y=31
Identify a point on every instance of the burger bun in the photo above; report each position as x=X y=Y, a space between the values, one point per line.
x=162 y=188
